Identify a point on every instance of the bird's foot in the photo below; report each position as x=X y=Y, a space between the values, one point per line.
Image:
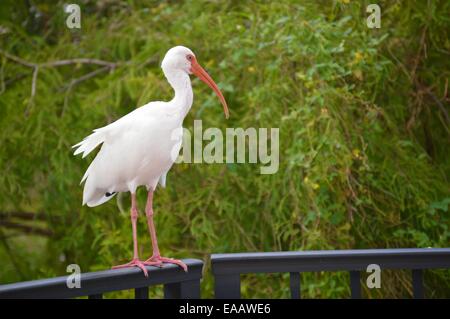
x=136 y=263
x=159 y=260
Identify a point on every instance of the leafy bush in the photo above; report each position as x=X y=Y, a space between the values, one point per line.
x=363 y=118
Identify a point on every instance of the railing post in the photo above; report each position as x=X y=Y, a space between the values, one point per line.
x=417 y=282
x=355 y=284
x=183 y=290
x=294 y=282
x=227 y=286
x=141 y=293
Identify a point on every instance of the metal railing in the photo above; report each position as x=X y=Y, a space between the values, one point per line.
x=227 y=268
x=177 y=283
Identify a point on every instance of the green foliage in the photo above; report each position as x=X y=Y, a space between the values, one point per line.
x=363 y=132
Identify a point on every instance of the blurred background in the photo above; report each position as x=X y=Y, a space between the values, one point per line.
x=364 y=134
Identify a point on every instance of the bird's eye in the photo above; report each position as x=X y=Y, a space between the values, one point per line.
x=189 y=57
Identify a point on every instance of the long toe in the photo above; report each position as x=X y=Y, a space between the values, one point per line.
x=174 y=261
x=134 y=263
x=129 y=264
x=142 y=266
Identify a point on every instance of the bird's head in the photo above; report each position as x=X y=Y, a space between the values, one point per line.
x=180 y=58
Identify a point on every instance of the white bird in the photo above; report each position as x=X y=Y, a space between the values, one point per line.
x=140 y=148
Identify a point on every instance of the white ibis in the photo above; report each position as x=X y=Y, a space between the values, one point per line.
x=138 y=149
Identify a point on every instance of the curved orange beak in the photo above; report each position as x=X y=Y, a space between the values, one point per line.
x=204 y=76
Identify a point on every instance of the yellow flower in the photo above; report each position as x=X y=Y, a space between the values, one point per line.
x=358 y=57
x=251 y=69
x=356 y=153
x=311 y=184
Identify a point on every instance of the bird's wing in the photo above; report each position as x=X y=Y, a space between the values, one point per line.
x=100 y=135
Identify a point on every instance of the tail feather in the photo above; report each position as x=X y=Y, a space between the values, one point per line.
x=92 y=195
x=89 y=143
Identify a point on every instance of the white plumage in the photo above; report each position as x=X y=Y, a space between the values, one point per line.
x=137 y=150
x=140 y=148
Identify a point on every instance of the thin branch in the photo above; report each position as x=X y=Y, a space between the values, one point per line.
x=87 y=76
x=59 y=62
x=17 y=59
x=440 y=105
x=33 y=90
x=150 y=60
x=77 y=81
x=419 y=53
x=402 y=66
x=22 y=215
x=36 y=67
x=33 y=83
x=428 y=90
x=26 y=228
x=80 y=61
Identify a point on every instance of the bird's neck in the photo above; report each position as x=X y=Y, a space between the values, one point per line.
x=181 y=84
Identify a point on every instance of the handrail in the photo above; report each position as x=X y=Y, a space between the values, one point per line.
x=177 y=283
x=227 y=268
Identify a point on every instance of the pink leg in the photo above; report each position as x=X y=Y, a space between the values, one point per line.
x=135 y=262
x=156 y=257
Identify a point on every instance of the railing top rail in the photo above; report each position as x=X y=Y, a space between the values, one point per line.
x=331 y=253
x=103 y=281
x=330 y=260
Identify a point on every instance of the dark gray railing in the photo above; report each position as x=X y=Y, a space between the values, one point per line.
x=227 y=268
x=177 y=283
